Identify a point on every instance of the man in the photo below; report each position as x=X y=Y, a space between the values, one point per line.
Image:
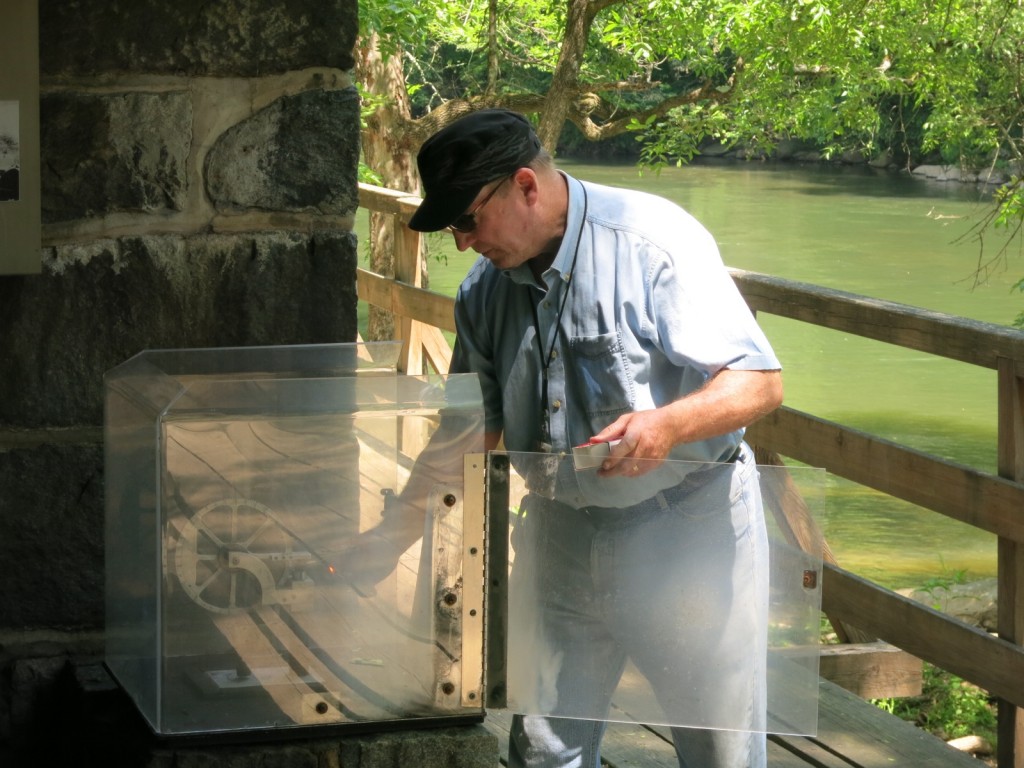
x=603 y=314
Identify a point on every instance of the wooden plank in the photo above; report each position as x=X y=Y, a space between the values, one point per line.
x=632 y=745
x=962 y=493
x=867 y=737
x=990 y=662
x=872 y=670
x=853 y=733
x=418 y=303
x=384 y=200
x=957 y=338
x=802 y=752
x=435 y=347
x=623 y=745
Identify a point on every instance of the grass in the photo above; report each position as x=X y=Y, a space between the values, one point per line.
x=948 y=707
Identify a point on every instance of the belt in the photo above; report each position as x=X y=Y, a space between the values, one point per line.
x=663 y=499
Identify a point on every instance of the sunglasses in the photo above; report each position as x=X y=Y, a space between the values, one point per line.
x=466 y=222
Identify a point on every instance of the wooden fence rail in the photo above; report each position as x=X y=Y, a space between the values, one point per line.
x=991 y=502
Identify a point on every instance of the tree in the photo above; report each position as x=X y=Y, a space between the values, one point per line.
x=909 y=78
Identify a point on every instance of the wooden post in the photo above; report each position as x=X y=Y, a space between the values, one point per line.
x=1010 y=751
x=408 y=269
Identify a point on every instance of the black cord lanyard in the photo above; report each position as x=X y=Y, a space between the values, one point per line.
x=545 y=356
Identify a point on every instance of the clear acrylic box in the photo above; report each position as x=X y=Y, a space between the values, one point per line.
x=244 y=487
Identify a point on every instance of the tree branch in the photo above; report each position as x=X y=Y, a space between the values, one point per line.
x=584 y=107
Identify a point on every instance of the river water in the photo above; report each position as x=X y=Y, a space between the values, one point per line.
x=882 y=234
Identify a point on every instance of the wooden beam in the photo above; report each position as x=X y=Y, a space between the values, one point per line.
x=1010 y=578
x=872 y=670
x=435 y=347
x=994 y=664
x=969 y=341
x=991 y=503
x=384 y=200
x=420 y=304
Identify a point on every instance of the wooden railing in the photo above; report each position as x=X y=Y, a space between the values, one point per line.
x=994 y=503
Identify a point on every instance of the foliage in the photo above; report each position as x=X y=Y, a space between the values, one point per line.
x=913 y=76
x=1019 y=320
x=919 y=76
x=947 y=707
x=919 y=80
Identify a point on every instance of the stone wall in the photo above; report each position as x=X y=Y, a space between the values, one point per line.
x=199 y=165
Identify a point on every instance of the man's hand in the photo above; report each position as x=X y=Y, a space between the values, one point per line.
x=645 y=439
x=730 y=400
x=369 y=559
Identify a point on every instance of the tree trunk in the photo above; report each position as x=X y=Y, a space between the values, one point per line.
x=565 y=79
x=385 y=150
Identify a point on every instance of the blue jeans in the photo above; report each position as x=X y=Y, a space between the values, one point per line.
x=677 y=588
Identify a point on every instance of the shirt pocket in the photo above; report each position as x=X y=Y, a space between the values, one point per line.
x=603 y=381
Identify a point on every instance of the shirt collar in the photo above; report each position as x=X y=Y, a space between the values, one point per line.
x=562 y=263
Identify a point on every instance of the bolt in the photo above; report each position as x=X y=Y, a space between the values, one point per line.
x=449 y=499
x=321 y=707
x=448 y=689
x=450 y=598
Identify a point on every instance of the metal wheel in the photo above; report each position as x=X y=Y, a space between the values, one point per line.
x=231 y=555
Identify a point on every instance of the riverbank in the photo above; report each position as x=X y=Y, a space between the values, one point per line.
x=799 y=152
x=806 y=153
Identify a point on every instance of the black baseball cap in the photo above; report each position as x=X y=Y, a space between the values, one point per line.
x=457 y=161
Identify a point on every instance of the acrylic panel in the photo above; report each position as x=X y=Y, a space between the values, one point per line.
x=661 y=598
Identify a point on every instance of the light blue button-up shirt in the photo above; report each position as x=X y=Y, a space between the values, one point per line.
x=650 y=314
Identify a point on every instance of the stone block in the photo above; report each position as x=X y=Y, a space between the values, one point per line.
x=51 y=536
x=276 y=756
x=299 y=154
x=95 y=306
x=973 y=603
x=61 y=723
x=194 y=37
x=113 y=153
x=448 y=748
x=32 y=684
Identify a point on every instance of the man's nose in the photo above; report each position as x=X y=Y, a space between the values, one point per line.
x=463 y=240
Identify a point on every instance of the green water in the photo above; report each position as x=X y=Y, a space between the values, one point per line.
x=885 y=235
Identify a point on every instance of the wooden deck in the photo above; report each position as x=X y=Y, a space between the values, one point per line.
x=977 y=496
x=852 y=733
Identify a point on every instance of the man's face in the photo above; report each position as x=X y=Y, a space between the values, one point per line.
x=496 y=218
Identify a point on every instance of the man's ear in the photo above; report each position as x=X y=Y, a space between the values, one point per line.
x=525 y=182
